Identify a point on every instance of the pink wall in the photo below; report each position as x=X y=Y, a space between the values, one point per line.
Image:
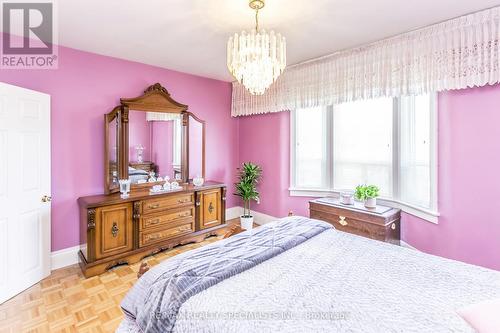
x=469 y=181
x=88 y=85
x=195 y=148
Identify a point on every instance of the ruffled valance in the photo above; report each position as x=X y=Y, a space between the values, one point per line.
x=456 y=54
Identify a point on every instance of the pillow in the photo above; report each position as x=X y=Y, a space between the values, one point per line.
x=132 y=171
x=484 y=317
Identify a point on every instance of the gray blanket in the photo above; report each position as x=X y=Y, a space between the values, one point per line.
x=155 y=300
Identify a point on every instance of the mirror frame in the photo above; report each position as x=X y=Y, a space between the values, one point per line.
x=188 y=114
x=154 y=99
x=108 y=118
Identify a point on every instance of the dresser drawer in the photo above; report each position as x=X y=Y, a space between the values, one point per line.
x=156 y=205
x=160 y=220
x=148 y=238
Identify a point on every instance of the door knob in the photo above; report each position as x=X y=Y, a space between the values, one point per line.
x=46 y=198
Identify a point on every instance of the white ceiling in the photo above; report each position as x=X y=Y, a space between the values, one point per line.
x=190 y=35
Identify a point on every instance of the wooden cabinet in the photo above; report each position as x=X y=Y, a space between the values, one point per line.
x=382 y=224
x=117 y=231
x=209 y=208
x=112 y=230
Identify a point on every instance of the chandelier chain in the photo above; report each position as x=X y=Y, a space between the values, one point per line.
x=256 y=58
x=257 y=20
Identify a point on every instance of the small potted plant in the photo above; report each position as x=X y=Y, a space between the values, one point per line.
x=246 y=188
x=368 y=194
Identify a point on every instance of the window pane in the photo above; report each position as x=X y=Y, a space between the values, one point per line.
x=415 y=146
x=310 y=148
x=363 y=144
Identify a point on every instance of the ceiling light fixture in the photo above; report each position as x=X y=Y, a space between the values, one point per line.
x=256 y=58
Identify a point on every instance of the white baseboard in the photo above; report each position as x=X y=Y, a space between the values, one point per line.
x=234 y=212
x=64 y=257
x=259 y=218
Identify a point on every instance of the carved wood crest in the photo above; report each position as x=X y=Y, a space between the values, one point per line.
x=156 y=98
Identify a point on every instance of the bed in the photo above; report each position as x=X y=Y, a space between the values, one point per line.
x=301 y=275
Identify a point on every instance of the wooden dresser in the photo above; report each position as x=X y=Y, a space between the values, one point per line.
x=382 y=223
x=117 y=231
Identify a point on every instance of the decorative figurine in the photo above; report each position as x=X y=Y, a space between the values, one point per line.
x=124 y=187
x=139 y=149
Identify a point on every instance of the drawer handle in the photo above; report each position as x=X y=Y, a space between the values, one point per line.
x=153 y=237
x=114 y=229
x=154 y=206
x=182 y=200
x=342 y=221
x=155 y=221
x=182 y=214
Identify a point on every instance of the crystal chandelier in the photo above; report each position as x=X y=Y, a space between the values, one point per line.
x=256 y=58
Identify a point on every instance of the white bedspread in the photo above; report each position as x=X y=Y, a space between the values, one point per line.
x=352 y=284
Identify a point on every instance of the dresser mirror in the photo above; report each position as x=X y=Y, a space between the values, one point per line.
x=152 y=137
x=155 y=145
x=112 y=125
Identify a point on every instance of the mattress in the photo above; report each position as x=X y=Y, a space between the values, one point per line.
x=338 y=282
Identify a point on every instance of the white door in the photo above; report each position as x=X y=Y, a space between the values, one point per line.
x=24 y=181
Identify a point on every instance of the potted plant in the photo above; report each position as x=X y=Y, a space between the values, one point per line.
x=246 y=188
x=368 y=194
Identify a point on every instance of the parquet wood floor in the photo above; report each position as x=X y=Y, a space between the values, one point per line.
x=67 y=302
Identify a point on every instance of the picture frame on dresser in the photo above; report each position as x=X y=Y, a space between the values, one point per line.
x=117 y=230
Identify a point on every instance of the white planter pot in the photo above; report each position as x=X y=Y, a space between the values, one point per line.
x=371 y=203
x=246 y=222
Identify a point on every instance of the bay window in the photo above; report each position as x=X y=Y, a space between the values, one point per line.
x=388 y=142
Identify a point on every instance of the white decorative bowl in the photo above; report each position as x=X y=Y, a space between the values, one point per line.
x=198 y=181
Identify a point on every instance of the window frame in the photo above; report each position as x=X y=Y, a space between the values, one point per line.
x=428 y=214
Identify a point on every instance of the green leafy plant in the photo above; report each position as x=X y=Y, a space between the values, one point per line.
x=249 y=175
x=364 y=192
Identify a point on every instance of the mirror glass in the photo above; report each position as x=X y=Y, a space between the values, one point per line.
x=113 y=152
x=155 y=144
x=195 y=148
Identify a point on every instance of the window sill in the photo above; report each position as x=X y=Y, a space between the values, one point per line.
x=425 y=214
